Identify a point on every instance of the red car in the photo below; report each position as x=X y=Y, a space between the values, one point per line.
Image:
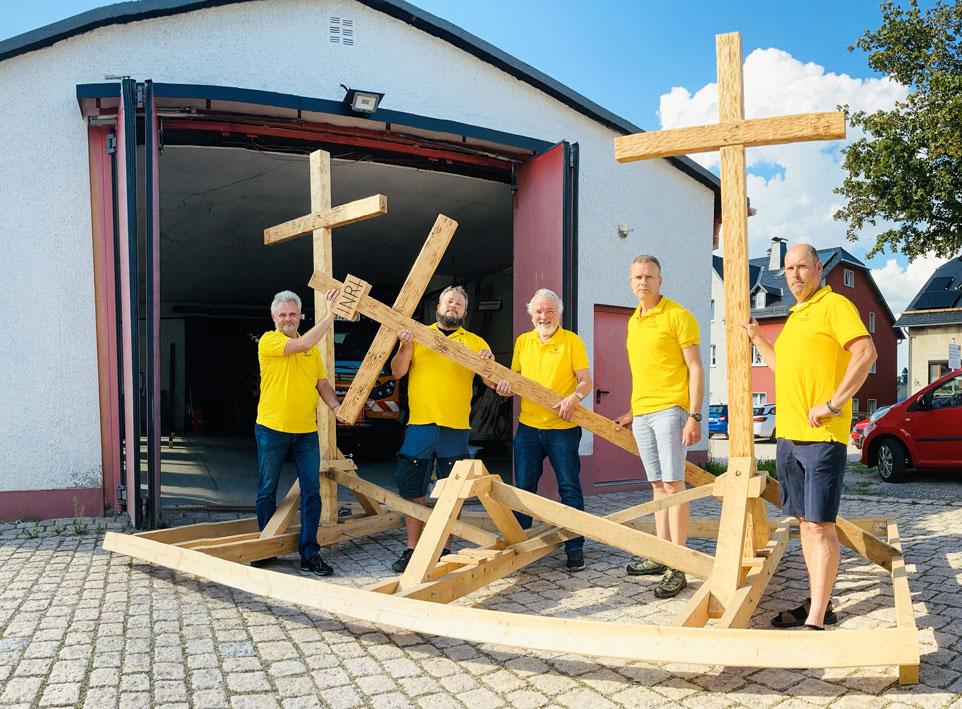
x=858 y=430
x=924 y=431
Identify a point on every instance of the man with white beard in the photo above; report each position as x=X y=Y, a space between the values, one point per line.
x=555 y=358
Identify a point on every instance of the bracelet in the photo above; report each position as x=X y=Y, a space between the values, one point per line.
x=581 y=397
x=835 y=412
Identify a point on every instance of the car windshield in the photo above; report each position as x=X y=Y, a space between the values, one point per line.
x=717 y=409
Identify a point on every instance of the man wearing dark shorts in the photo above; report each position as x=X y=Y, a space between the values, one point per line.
x=824 y=355
x=439 y=399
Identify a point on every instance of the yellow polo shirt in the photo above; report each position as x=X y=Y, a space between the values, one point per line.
x=552 y=364
x=810 y=362
x=659 y=374
x=439 y=390
x=289 y=395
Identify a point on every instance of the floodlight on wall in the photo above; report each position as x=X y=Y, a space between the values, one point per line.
x=361 y=101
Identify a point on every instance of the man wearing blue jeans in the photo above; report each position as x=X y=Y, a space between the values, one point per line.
x=555 y=358
x=292 y=380
x=666 y=398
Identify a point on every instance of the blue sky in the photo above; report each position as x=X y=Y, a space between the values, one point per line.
x=628 y=56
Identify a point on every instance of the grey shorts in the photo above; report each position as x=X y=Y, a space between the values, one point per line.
x=658 y=436
x=810 y=475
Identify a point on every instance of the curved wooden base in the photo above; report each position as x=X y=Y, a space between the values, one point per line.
x=699 y=645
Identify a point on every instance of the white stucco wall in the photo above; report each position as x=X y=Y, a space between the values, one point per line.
x=929 y=344
x=49 y=422
x=717 y=375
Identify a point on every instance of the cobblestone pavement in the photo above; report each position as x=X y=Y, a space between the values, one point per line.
x=81 y=627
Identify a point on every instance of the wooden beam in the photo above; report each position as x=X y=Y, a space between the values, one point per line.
x=487 y=368
x=503 y=519
x=748 y=133
x=202 y=530
x=412 y=509
x=739 y=610
x=349 y=296
x=333 y=217
x=861 y=542
x=728 y=571
x=695 y=612
x=904 y=614
x=709 y=646
x=603 y=530
x=407 y=300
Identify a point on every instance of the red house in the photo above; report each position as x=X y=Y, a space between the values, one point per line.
x=771 y=300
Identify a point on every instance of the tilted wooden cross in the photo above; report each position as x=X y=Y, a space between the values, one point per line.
x=744 y=527
x=320 y=222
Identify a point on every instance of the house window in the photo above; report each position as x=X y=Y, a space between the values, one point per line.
x=712 y=355
x=758 y=398
x=872 y=369
x=757 y=360
x=713 y=310
x=871 y=322
x=855 y=409
x=937 y=369
x=848 y=277
x=760 y=299
x=872 y=405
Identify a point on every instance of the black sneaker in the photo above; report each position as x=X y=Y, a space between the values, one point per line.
x=262 y=563
x=576 y=560
x=671 y=584
x=317 y=565
x=645 y=567
x=402 y=563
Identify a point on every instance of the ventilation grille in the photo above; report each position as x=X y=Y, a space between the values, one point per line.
x=342 y=31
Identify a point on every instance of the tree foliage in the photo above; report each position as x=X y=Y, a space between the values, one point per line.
x=908 y=167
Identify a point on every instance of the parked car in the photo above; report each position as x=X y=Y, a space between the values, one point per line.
x=763 y=419
x=923 y=431
x=717 y=419
x=858 y=430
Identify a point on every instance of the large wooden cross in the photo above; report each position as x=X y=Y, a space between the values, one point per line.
x=743 y=527
x=319 y=223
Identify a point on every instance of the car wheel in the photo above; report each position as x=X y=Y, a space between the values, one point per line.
x=890 y=458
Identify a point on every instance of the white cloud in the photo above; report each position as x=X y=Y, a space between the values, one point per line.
x=798 y=202
x=899 y=285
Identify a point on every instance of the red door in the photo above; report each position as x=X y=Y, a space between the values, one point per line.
x=611 y=464
x=544 y=252
x=937 y=426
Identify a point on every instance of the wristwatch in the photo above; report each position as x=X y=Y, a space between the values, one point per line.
x=581 y=397
x=835 y=412
x=695 y=416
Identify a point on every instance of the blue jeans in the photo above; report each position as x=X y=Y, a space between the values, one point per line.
x=272 y=448
x=531 y=445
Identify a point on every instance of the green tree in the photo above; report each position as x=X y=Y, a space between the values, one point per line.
x=908 y=167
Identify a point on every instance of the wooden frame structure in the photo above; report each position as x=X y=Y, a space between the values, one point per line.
x=711 y=628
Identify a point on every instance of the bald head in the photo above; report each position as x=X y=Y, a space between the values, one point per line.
x=803 y=271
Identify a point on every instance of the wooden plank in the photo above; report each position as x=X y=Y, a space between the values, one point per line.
x=748 y=133
x=695 y=612
x=604 y=530
x=412 y=509
x=860 y=541
x=284 y=513
x=728 y=571
x=487 y=368
x=215 y=541
x=904 y=614
x=503 y=519
x=202 y=530
x=342 y=215
x=350 y=295
x=407 y=300
x=646 y=508
x=739 y=610
x=709 y=646
x=438 y=527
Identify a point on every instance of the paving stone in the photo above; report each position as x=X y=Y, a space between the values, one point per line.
x=63 y=694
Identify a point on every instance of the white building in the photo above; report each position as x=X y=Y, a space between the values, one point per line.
x=243 y=91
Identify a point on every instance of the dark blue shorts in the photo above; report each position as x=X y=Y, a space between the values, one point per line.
x=810 y=475
x=422 y=444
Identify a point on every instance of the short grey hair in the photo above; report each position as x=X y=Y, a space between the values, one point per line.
x=646 y=258
x=455 y=289
x=285 y=296
x=550 y=295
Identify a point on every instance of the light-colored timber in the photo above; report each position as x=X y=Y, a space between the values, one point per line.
x=904 y=615
x=333 y=217
x=709 y=646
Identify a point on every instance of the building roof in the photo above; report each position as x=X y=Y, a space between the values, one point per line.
x=939 y=301
x=773 y=282
x=136 y=10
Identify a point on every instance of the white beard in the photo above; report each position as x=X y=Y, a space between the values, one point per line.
x=546 y=329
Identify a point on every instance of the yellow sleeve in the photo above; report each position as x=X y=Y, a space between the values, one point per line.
x=845 y=322
x=516 y=357
x=686 y=329
x=579 y=355
x=272 y=344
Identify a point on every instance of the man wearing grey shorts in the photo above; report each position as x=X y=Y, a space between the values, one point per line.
x=667 y=388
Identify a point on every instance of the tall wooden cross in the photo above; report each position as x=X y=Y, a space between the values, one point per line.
x=320 y=222
x=744 y=527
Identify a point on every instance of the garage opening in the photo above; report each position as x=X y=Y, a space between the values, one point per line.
x=218 y=279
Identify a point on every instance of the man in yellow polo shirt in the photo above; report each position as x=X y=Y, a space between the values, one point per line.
x=555 y=358
x=824 y=354
x=439 y=399
x=666 y=399
x=292 y=379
